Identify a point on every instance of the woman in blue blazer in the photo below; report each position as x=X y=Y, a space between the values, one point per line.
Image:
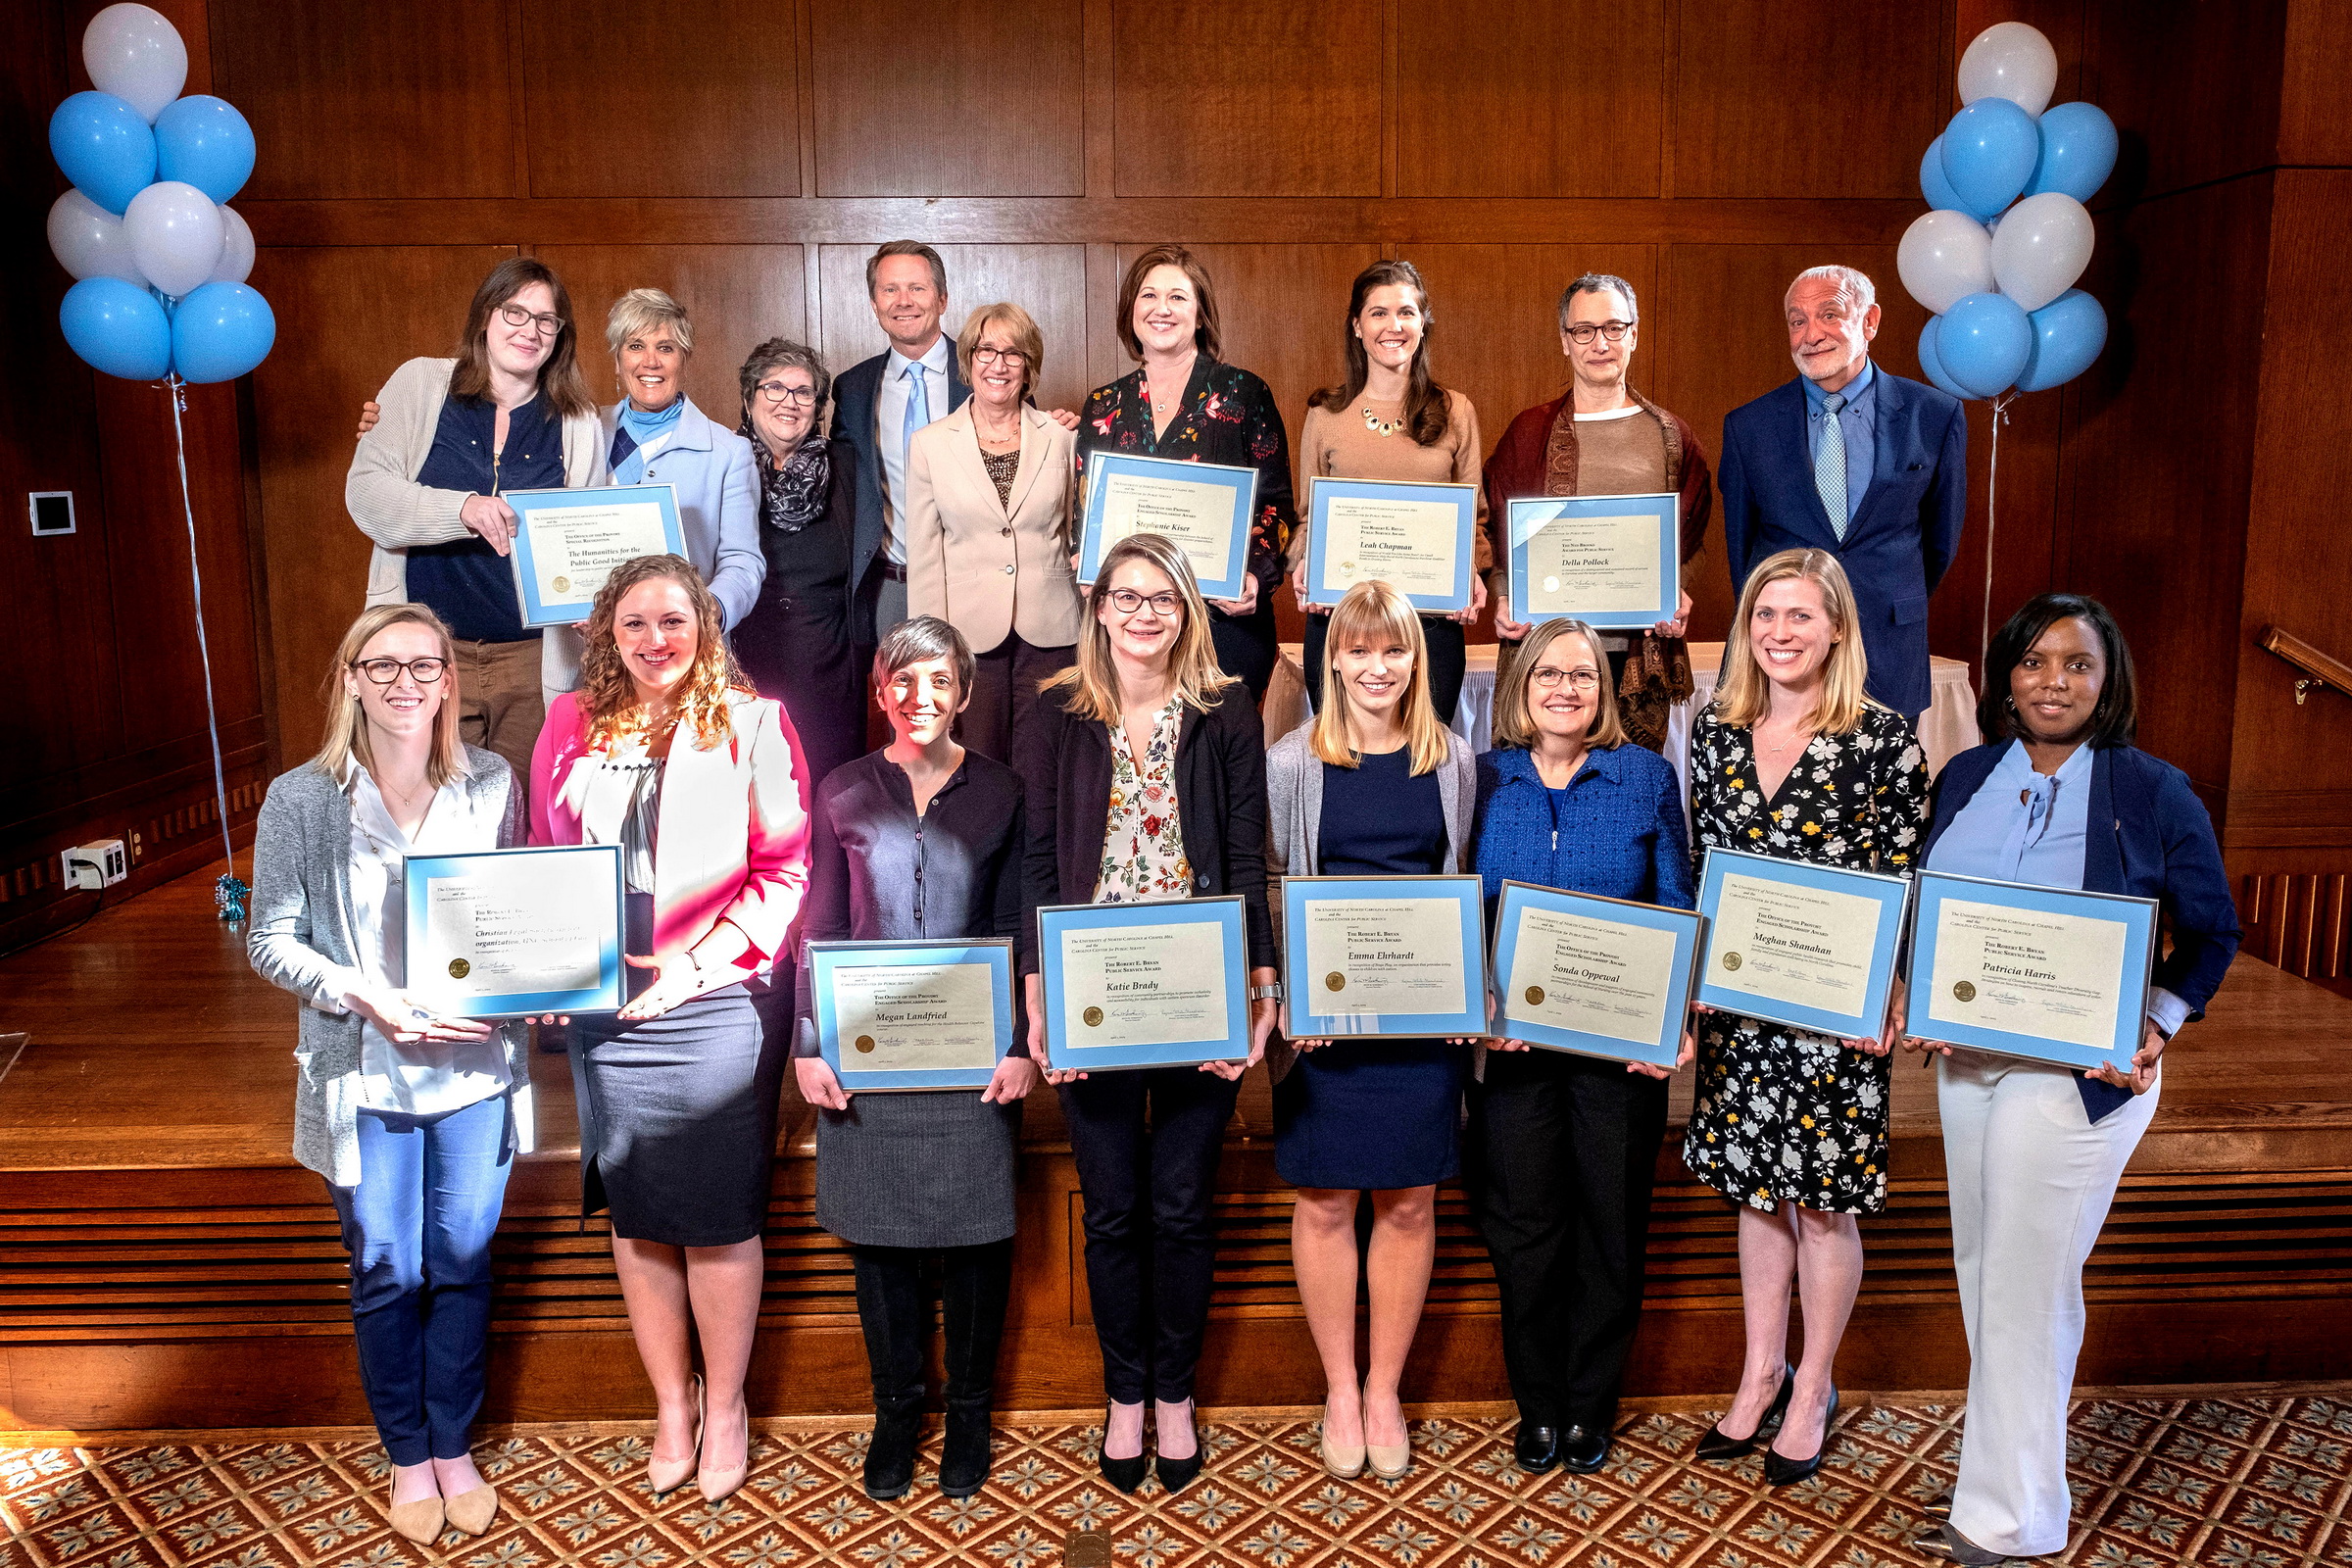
x=2061 y=798
x=1566 y=1145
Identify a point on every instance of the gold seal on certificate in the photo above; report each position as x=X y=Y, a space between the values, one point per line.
x=917 y=1017
x=2036 y=972
x=1142 y=985
x=1604 y=566
x=1807 y=946
x=500 y=933
x=567 y=543
x=1410 y=545
x=1590 y=976
x=1388 y=954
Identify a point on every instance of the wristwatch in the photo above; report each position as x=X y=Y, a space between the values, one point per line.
x=1272 y=993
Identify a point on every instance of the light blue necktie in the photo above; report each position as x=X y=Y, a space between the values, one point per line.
x=918 y=413
x=1829 y=464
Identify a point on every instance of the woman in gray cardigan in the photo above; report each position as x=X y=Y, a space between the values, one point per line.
x=413 y=1118
x=1373 y=786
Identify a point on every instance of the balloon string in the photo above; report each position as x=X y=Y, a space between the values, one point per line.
x=203 y=654
x=1992 y=481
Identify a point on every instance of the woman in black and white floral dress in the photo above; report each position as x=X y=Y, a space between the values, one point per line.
x=1793 y=760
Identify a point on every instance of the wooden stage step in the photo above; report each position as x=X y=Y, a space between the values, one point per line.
x=163 y=1262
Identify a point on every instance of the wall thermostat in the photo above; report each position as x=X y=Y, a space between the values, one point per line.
x=52 y=511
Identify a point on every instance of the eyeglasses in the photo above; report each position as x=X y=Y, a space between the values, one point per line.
x=797 y=397
x=1550 y=677
x=517 y=315
x=1126 y=601
x=1614 y=331
x=1011 y=358
x=384 y=672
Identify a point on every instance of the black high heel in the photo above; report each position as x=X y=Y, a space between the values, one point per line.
x=1779 y=1471
x=1718 y=1445
x=1124 y=1474
x=1177 y=1474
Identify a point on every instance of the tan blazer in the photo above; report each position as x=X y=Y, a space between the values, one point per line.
x=987 y=568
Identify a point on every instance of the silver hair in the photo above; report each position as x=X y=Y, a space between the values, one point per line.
x=647 y=309
x=1854 y=285
x=919 y=641
x=1597 y=282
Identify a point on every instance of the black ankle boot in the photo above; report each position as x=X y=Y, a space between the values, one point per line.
x=890 y=1455
x=966 y=1460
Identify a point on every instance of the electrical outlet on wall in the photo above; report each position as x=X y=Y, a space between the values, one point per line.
x=100 y=863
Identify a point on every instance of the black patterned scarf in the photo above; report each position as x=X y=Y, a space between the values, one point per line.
x=791 y=497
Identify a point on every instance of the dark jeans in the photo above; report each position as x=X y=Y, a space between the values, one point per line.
x=1448 y=662
x=1246 y=647
x=1146 y=1144
x=1005 y=682
x=417 y=1227
x=893 y=1308
x=1566 y=1149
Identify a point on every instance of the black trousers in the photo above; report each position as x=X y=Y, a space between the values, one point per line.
x=1448 y=662
x=1146 y=1144
x=1565 y=1150
x=1005 y=682
x=1246 y=645
x=893 y=1308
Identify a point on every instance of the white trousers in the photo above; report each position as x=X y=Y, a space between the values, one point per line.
x=2031 y=1178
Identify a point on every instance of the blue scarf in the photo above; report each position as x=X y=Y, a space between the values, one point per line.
x=637 y=430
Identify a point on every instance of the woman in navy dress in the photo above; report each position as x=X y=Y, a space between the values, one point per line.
x=1372 y=786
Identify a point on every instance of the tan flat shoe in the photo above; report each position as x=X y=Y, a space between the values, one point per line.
x=471 y=1511
x=1389 y=1462
x=420 y=1521
x=667 y=1475
x=1346 y=1463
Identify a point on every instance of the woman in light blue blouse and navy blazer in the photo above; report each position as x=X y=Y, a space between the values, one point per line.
x=1566 y=1145
x=2059 y=797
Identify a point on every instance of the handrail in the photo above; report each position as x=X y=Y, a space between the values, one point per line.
x=2319 y=668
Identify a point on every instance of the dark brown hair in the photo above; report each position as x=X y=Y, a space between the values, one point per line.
x=1425 y=402
x=1204 y=298
x=2116 y=718
x=559 y=379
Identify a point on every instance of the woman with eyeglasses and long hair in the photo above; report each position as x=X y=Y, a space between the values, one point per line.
x=664 y=752
x=1144 y=772
x=413 y=1118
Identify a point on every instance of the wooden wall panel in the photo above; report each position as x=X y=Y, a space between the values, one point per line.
x=1048 y=281
x=984 y=98
x=2316 y=92
x=1530 y=97
x=2192 y=89
x=1194 y=116
x=686 y=98
x=349 y=99
x=737 y=296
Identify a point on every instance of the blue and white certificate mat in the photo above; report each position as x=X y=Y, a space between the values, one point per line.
x=1809 y=945
x=1598 y=976
x=508 y=933
x=1157 y=984
x=911 y=1014
x=2050 y=974
x=1204 y=508
x=1610 y=561
x=567 y=543
x=1400 y=956
x=1421 y=539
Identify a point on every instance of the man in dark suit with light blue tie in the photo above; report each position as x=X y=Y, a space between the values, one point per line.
x=1847 y=458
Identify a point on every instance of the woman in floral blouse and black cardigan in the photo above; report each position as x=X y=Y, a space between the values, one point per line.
x=1185 y=404
x=1793 y=760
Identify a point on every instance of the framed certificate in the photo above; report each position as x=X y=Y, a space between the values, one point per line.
x=506 y=933
x=1420 y=538
x=2051 y=974
x=1158 y=984
x=1204 y=508
x=567 y=543
x=1610 y=561
x=1809 y=945
x=911 y=1014
x=1601 y=977
x=1397 y=956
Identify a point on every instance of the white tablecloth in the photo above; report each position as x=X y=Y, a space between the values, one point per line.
x=1946 y=729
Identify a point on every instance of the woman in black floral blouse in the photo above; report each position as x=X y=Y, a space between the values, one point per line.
x=1187 y=404
x=1793 y=760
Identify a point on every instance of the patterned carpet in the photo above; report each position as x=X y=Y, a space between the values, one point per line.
x=2225 y=1481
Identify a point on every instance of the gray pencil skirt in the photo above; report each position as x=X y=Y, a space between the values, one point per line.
x=926 y=1168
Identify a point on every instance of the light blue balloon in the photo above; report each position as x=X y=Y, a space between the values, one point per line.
x=1941 y=198
x=118 y=327
x=2077 y=151
x=1932 y=363
x=1983 y=342
x=203 y=140
x=104 y=146
x=1989 y=150
x=2068 y=334
x=220 y=331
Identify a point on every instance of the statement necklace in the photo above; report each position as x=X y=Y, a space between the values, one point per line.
x=1380 y=426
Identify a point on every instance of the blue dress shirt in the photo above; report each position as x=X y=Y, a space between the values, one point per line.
x=1858 y=421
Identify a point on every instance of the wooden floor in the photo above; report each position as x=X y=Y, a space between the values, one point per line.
x=163 y=1262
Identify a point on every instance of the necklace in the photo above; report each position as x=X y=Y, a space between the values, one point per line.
x=1380 y=426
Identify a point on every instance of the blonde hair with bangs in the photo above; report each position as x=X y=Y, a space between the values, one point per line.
x=607 y=697
x=1515 y=698
x=1745 y=696
x=346 y=738
x=1376 y=611
x=642 y=312
x=1092 y=685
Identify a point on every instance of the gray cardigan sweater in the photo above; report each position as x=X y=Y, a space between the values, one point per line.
x=1295 y=825
x=300 y=939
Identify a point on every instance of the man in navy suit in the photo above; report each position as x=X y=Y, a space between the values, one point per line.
x=1847 y=458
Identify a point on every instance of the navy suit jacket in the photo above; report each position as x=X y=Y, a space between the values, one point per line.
x=1904 y=535
x=2150 y=836
x=856 y=391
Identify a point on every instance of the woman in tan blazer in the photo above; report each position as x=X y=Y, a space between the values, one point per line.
x=989 y=513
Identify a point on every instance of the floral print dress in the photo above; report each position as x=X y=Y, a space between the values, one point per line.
x=1143 y=840
x=1781 y=1115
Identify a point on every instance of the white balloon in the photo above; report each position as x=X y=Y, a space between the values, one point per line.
x=88 y=241
x=1945 y=258
x=236 y=249
x=2044 y=243
x=133 y=52
x=2010 y=60
x=175 y=235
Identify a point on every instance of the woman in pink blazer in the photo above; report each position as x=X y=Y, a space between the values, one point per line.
x=664 y=752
